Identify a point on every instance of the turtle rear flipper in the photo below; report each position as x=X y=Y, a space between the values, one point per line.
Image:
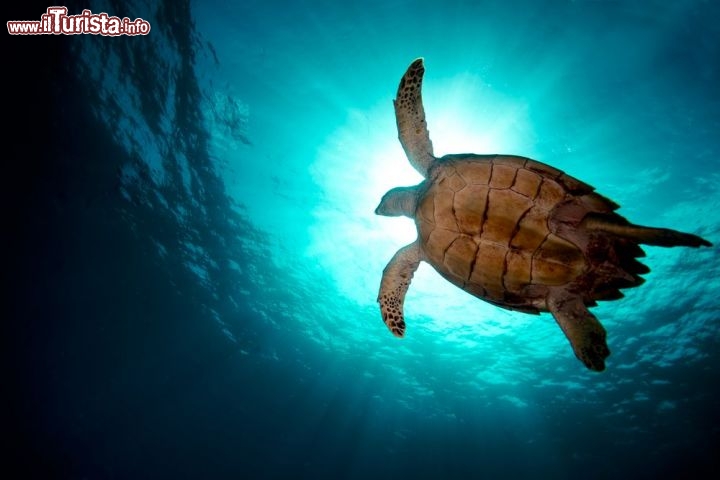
x=660 y=237
x=394 y=285
x=582 y=328
x=410 y=117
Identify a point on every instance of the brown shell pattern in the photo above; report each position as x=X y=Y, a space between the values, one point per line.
x=483 y=224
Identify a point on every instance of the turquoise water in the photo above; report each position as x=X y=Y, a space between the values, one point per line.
x=203 y=260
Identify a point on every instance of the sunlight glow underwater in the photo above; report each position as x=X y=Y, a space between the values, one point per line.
x=308 y=380
x=363 y=159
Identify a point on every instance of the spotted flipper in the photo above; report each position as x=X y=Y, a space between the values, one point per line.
x=586 y=334
x=410 y=117
x=394 y=285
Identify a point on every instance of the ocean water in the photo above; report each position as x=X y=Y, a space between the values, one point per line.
x=193 y=257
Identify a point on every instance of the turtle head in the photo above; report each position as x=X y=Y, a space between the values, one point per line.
x=398 y=201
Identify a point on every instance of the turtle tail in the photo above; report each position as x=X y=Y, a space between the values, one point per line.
x=661 y=237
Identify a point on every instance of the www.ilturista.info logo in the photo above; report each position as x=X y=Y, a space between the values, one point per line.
x=57 y=22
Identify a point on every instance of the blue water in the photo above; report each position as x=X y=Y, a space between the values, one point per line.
x=194 y=257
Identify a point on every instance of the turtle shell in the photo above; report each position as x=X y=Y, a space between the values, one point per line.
x=490 y=225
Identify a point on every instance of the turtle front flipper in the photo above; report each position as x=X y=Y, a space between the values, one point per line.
x=394 y=285
x=586 y=334
x=410 y=117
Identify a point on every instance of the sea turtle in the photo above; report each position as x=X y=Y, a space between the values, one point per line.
x=512 y=231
